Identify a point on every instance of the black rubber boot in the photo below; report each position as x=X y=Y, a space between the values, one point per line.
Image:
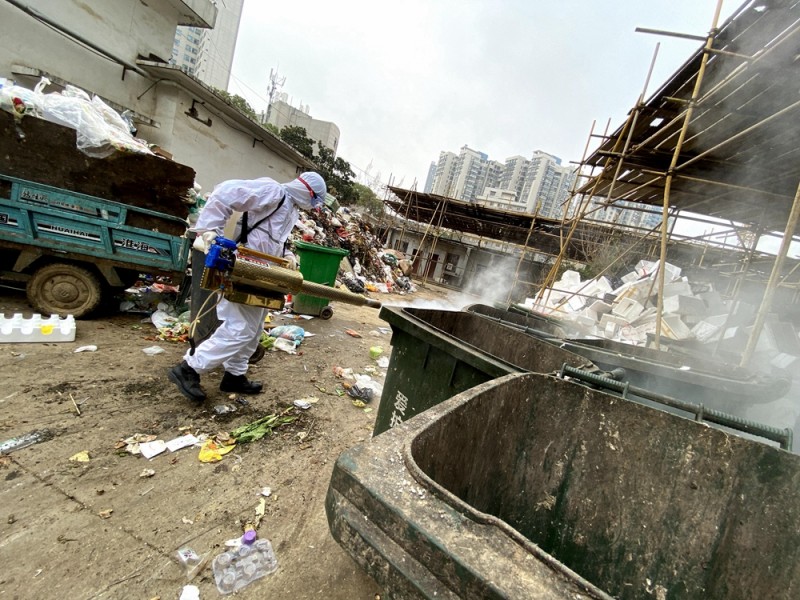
x=188 y=382
x=239 y=384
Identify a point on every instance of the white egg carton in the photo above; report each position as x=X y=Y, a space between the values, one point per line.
x=17 y=329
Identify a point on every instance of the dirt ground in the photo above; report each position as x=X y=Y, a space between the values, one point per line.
x=57 y=536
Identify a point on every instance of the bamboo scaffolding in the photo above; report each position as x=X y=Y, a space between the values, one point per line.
x=668 y=181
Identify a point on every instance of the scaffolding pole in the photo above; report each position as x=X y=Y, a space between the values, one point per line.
x=670 y=173
x=766 y=302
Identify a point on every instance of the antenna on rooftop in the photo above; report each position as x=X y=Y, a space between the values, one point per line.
x=275 y=85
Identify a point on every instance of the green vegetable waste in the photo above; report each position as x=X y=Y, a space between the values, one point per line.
x=261 y=427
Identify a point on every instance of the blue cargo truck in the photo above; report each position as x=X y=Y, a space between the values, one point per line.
x=72 y=250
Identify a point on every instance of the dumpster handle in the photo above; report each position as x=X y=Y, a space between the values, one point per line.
x=701 y=413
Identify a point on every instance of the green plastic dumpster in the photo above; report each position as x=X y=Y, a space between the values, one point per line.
x=318 y=264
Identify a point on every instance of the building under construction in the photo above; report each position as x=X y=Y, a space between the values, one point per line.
x=714 y=144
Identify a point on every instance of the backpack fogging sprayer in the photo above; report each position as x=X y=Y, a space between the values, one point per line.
x=248 y=277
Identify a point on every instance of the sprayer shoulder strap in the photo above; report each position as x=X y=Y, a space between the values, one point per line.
x=242 y=239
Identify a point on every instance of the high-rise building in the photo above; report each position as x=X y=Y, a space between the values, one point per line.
x=444 y=180
x=208 y=53
x=429 y=178
x=517 y=184
x=282 y=114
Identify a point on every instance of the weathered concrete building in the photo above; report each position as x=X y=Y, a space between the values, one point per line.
x=119 y=50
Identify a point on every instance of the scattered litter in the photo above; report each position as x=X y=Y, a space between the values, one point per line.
x=147 y=473
x=182 y=442
x=151 y=449
x=261 y=427
x=293 y=333
x=385 y=330
x=18 y=329
x=375 y=352
x=91 y=348
x=261 y=510
x=153 y=350
x=357 y=391
x=105 y=514
x=237 y=568
x=285 y=345
x=82 y=456
x=383 y=362
x=305 y=403
x=213 y=452
x=190 y=592
x=352 y=333
x=266 y=492
x=224 y=409
x=132 y=443
x=192 y=562
x=343 y=373
x=186 y=521
x=25 y=440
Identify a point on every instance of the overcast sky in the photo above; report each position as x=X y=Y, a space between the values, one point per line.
x=405 y=80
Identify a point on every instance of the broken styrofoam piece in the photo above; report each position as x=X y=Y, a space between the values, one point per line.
x=714 y=302
x=599 y=307
x=691 y=305
x=632 y=335
x=650 y=268
x=676 y=288
x=785 y=337
x=708 y=329
x=671 y=304
x=639 y=290
x=627 y=308
x=783 y=361
x=631 y=277
x=673 y=328
x=570 y=277
x=576 y=303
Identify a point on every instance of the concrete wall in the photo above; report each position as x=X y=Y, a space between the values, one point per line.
x=224 y=152
x=486 y=273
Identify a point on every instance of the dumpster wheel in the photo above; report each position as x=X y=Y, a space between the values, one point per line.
x=257 y=355
x=326 y=312
x=64 y=289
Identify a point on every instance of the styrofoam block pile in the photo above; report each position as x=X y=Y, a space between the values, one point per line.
x=674 y=328
x=16 y=329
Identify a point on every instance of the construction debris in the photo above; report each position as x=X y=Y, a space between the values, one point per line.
x=694 y=314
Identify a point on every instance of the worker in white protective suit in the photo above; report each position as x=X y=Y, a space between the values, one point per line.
x=271 y=211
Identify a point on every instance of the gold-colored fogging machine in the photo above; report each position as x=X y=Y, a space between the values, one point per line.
x=245 y=276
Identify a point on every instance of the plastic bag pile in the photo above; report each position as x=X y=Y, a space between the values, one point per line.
x=369 y=267
x=101 y=131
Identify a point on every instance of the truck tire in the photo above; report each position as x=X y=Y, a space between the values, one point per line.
x=64 y=289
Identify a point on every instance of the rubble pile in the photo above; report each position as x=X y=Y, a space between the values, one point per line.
x=694 y=314
x=369 y=267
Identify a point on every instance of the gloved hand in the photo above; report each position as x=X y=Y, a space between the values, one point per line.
x=203 y=241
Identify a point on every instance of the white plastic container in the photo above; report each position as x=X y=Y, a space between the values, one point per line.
x=18 y=329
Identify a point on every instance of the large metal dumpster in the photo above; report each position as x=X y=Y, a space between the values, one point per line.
x=529 y=486
x=438 y=353
x=691 y=377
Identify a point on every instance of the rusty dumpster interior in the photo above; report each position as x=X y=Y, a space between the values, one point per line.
x=579 y=474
